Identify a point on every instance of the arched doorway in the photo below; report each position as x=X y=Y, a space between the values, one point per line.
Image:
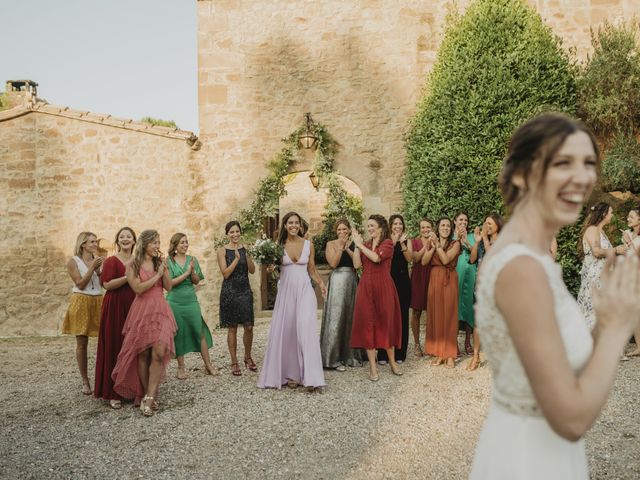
x=310 y=203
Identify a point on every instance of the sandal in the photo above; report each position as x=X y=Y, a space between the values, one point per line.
x=145 y=409
x=181 y=374
x=417 y=351
x=115 y=404
x=86 y=389
x=437 y=361
x=292 y=384
x=211 y=370
x=235 y=370
x=250 y=364
x=451 y=363
x=155 y=406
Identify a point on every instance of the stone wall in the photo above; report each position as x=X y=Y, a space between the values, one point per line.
x=60 y=176
x=358 y=66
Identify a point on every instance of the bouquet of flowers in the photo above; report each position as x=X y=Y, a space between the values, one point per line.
x=267 y=252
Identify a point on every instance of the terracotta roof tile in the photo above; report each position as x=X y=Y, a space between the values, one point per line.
x=102 y=119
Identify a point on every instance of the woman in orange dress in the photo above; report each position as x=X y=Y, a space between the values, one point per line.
x=442 y=300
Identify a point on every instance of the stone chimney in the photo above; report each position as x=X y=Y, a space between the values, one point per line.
x=21 y=92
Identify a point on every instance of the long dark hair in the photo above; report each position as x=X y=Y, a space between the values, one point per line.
x=382 y=223
x=440 y=220
x=282 y=236
x=539 y=138
x=393 y=217
x=133 y=234
x=596 y=214
x=498 y=220
x=230 y=225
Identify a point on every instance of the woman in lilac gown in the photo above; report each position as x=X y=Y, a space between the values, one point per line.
x=293 y=354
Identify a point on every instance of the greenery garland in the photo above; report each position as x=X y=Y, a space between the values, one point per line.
x=272 y=187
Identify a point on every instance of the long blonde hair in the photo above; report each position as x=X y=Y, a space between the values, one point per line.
x=81 y=240
x=145 y=238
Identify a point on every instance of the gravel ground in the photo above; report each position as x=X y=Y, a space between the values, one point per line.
x=422 y=425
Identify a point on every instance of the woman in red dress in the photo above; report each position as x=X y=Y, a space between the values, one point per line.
x=377 y=319
x=115 y=308
x=442 y=302
x=420 y=280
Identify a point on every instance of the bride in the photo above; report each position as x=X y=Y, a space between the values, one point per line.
x=551 y=378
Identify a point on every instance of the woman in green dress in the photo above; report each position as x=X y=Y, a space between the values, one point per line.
x=193 y=335
x=466 y=278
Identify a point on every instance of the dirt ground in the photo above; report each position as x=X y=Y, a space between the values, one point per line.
x=422 y=425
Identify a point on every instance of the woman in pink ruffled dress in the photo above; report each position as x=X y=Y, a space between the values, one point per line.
x=149 y=328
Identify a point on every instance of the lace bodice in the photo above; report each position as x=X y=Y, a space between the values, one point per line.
x=511 y=388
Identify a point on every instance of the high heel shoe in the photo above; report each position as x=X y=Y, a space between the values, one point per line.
x=250 y=364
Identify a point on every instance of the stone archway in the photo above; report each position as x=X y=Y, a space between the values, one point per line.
x=303 y=198
x=310 y=203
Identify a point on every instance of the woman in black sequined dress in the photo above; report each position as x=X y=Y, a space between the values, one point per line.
x=236 y=297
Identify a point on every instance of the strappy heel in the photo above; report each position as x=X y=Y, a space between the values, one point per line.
x=250 y=364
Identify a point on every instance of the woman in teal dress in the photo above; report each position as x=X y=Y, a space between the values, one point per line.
x=193 y=335
x=466 y=279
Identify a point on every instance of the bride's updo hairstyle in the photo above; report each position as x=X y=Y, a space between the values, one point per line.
x=539 y=139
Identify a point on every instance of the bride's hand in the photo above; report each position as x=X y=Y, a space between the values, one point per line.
x=616 y=302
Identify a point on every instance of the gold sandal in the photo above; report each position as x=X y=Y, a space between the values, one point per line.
x=145 y=409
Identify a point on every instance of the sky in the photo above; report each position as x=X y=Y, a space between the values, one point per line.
x=127 y=58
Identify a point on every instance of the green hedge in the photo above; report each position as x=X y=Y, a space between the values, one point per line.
x=621 y=166
x=498 y=66
x=609 y=82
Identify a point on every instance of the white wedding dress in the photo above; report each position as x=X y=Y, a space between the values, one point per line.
x=516 y=442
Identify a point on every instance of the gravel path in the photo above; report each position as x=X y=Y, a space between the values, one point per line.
x=422 y=425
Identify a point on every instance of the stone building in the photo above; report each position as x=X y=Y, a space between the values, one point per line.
x=358 y=66
x=64 y=171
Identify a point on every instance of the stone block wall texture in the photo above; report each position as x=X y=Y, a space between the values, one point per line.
x=358 y=66
x=60 y=176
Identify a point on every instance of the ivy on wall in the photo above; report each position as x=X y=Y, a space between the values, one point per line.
x=272 y=187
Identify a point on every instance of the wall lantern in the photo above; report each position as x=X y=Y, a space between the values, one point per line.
x=308 y=139
x=315 y=181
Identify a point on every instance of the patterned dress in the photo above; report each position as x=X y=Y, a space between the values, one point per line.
x=236 y=297
x=590 y=278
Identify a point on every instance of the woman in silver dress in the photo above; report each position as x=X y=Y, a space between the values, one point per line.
x=338 y=307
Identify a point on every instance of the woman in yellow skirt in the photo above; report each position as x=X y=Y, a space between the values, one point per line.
x=83 y=315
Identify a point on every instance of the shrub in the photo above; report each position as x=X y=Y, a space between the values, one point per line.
x=498 y=66
x=159 y=122
x=609 y=81
x=621 y=166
